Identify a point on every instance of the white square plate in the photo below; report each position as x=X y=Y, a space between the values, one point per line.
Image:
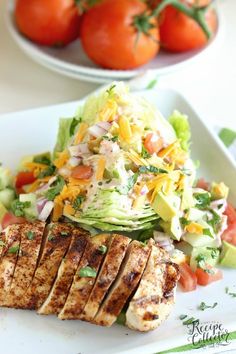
x=25 y=332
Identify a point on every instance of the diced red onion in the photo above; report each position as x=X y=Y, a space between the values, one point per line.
x=46 y=211
x=97 y=131
x=78 y=150
x=40 y=204
x=104 y=125
x=74 y=161
x=163 y=240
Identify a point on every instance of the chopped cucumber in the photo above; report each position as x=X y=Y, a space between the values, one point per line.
x=32 y=211
x=6 y=179
x=7 y=195
x=211 y=256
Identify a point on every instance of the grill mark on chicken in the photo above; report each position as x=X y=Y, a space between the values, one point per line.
x=82 y=286
x=153 y=298
x=26 y=262
x=8 y=259
x=56 y=245
x=126 y=282
x=107 y=275
x=58 y=294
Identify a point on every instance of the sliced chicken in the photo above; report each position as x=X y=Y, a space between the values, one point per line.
x=128 y=278
x=85 y=277
x=31 y=239
x=154 y=298
x=107 y=275
x=56 y=245
x=58 y=294
x=10 y=249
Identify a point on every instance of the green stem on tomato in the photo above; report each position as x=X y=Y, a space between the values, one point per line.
x=197 y=14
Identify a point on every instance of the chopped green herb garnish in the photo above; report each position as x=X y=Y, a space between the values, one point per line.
x=47 y=172
x=30 y=235
x=144 y=153
x=207 y=232
x=229 y=292
x=201 y=260
x=145 y=235
x=130 y=183
x=110 y=89
x=64 y=233
x=121 y=319
x=182 y=317
x=102 y=249
x=87 y=272
x=78 y=201
x=14 y=249
x=184 y=221
x=214 y=252
x=151 y=169
x=2 y=243
x=190 y=321
x=50 y=237
x=43 y=159
x=18 y=208
x=56 y=188
x=215 y=220
x=74 y=123
x=203 y=306
x=203 y=200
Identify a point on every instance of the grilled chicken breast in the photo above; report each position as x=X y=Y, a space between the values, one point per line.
x=58 y=294
x=61 y=270
x=56 y=245
x=126 y=282
x=153 y=299
x=31 y=238
x=107 y=275
x=82 y=285
x=8 y=259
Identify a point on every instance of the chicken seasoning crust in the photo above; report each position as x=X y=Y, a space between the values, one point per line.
x=60 y=269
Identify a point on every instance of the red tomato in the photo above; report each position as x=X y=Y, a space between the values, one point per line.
x=82 y=172
x=188 y=279
x=204 y=278
x=201 y=183
x=111 y=39
x=10 y=219
x=229 y=234
x=48 y=22
x=23 y=178
x=180 y=33
x=153 y=143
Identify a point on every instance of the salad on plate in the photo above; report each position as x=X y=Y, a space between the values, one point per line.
x=119 y=166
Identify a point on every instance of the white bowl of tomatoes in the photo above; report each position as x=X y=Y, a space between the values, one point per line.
x=102 y=40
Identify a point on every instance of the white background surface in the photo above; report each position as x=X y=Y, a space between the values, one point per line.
x=210 y=83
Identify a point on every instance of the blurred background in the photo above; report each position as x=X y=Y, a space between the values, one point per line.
x=209 y=81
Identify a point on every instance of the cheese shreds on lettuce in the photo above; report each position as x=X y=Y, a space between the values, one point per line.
x=123 y=167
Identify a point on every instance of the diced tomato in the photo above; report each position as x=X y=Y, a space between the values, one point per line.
x=188 y=279
x=153 y=143
x=82 y=172
x=204 y=278
x=229 y=235
x=9 y=219
x=201 y=183
x=23 y=178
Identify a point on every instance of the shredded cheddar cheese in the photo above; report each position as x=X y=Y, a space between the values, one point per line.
x=62 y=159
x=100 y=168
x=108 y=113
x=68 y=209
x=81 y=133
x=125 y=129
x=194 y=228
